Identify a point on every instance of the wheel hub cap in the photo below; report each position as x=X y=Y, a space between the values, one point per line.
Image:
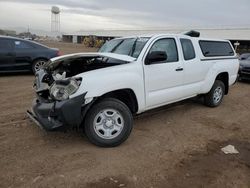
x=217 y=94
x=108 y=123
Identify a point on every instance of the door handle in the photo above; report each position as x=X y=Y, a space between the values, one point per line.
x=179 y=69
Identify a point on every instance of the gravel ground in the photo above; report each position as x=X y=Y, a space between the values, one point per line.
x=174 y=146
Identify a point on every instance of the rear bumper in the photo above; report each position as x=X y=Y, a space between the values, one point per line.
x=57 y=114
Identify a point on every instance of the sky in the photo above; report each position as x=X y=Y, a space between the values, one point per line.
x=79 y=15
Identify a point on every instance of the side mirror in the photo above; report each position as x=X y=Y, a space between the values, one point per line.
x=156 y=57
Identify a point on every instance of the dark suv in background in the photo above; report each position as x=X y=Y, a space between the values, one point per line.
x=244 y=71
x=18 y=55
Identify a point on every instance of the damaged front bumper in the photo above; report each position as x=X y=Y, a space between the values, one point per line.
x=57 y=114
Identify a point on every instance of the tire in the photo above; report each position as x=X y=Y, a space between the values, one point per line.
x=215 y=95
x=108 y=123
x=37 y=65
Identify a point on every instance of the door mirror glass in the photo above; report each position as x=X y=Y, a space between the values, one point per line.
x=156 y=57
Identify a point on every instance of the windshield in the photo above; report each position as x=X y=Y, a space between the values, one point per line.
x=126 y=46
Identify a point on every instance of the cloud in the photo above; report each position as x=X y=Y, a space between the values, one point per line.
x=129 y=14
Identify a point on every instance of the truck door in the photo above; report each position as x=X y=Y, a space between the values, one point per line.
x=194 y=69
x=7 y=54
x=164 y=79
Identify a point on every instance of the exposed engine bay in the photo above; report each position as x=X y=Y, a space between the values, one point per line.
x=55 y=81
x=74 y=66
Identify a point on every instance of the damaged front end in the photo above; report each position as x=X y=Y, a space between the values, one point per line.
x=53 y=107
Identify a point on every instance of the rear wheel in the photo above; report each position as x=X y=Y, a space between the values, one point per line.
x=108 y=123
x=215 y=95
x=38 y=64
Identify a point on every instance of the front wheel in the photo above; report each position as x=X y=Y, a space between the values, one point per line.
x=215 y=95
x=108 y=123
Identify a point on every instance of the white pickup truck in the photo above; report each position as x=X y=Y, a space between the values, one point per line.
x=100 y=92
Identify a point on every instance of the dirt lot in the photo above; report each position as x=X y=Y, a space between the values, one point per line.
x=67 y=48
x=175 y=146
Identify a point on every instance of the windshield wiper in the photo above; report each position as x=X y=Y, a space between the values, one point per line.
x=116 y=46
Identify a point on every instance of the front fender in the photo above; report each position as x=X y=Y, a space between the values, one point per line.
x=99 y=82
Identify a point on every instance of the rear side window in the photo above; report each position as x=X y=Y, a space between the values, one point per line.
x=6 y=44
x=188 y=49
x=216 y=48
x=22 y=45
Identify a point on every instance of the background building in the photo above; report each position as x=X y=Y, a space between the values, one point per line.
x=240 y=36
x=7 y=32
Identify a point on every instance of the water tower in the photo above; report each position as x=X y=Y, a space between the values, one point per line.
x=55 y=19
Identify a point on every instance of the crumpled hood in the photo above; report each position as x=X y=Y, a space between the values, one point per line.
x=94 y=54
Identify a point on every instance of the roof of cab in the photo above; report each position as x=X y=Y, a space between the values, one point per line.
x=173 y=35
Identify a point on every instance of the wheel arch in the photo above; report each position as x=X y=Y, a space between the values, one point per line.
x=214 y=75
x=224 y=77
x=127 y=96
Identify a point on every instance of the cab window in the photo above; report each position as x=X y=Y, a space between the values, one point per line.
x=169 y=46
x=188 y=49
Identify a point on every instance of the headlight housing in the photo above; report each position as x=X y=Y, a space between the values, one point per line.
x=62 y=89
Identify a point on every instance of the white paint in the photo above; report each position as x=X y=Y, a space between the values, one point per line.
x=159 y=84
